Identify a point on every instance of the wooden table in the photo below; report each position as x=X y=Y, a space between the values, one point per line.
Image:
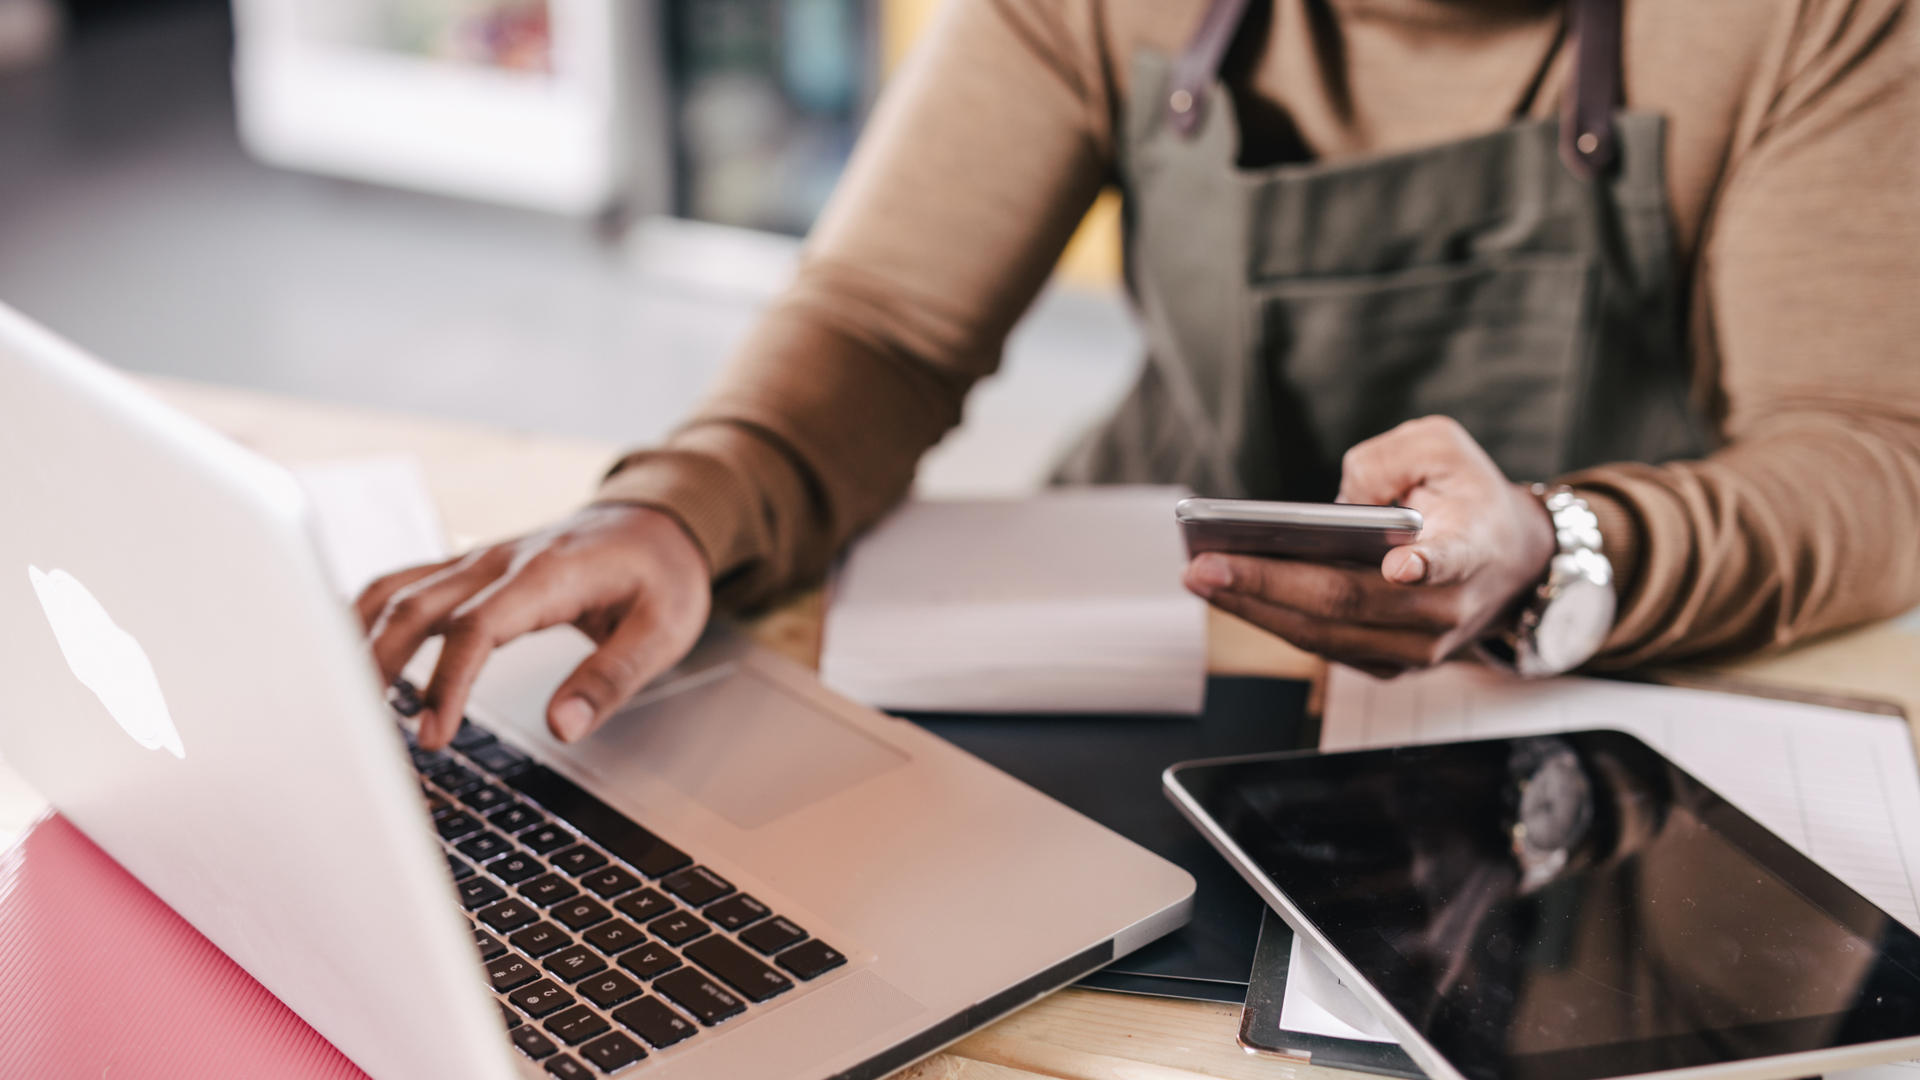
x=493 y=484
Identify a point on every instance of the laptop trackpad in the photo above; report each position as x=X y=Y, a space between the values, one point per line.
x=740 y=745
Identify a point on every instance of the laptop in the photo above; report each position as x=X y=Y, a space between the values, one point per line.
x=741 y=874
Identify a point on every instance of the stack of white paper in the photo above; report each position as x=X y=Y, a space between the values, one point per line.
x=1066 y=602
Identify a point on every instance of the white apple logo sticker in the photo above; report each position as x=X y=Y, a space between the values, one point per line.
x=107 y=660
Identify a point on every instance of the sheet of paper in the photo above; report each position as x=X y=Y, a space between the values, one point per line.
x=372 y=516
x=1323 y=1005
x=1069 y=601
x=1841 y=786
x=1910 y=622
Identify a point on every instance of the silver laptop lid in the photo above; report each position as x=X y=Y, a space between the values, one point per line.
x=179 y=680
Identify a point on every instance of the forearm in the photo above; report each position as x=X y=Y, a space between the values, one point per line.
x=1805 y=525
x=811 y=436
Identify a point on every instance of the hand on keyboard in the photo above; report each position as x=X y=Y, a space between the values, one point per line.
x=628 y=576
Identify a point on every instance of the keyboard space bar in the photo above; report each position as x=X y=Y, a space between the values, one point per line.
x=599 y=822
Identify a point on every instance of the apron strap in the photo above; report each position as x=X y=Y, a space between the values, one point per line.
x=1587 y=141
x=1199 y=65
x=1588 y=144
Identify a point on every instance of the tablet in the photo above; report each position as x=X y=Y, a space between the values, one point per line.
x=1573 y=907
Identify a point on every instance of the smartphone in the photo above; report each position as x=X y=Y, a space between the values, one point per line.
x=1315 y=532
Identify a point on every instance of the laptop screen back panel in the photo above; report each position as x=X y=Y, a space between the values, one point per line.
x=181 y=683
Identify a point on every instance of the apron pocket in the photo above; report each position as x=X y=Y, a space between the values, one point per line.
x=1498 y=344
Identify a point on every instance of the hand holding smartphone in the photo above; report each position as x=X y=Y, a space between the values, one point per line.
x=1314 y=532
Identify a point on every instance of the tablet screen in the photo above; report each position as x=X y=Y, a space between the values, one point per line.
x=1569 y=906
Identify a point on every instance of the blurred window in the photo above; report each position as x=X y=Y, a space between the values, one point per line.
x=769 y=96
x=512 y=34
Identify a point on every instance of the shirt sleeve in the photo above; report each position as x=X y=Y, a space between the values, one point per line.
x=1807 y=290
x=971 y=176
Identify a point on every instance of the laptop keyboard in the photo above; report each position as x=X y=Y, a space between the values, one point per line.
x=602 y=942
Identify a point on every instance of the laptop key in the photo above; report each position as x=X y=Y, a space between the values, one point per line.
x=811 y=960
x=610 y=881
x=650 y=961
x=486 y=799
x=577 y=860
x=607 y=989
x=454 y=826
x=613 y=937
x=612 y=1052
x=773 y=935
x=695 y=992
x=497 y=758
x=549 y=889
x=461 y=871
x=738 y=968
x=508 y=1016
x=436 y=804
x=477 y=891
x=425 y=761
x=510 y=971
x=697 y=886
x=547 y=838
x=653 y=1021
x=470 y=737
x=644 y=905
x=542 y=998
x=576 y=1025
x=487 y=845
x=600 y=823
x=677 y=928
x=737 y=911
x=532 y=1042
x=455 y=779
x=490 y=946
x=540 y=939
x=515 y=818
x=404 y=697
x=581 y=913
x=515 y=868
x=508 y=915
x=566 y=1068
x=576 y=963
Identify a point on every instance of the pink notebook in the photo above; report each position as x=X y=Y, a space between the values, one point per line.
x=99 y=978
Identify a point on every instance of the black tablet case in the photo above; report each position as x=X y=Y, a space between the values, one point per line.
x=1108 y=768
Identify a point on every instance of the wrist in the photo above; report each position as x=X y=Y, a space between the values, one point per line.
x=1565 y=617
x=654 y=527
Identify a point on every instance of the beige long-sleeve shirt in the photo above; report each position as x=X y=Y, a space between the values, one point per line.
x=1794 y=178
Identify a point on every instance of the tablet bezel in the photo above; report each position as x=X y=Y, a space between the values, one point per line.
x=1776 y=855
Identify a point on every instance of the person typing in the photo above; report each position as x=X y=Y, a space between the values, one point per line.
x=1657 y=258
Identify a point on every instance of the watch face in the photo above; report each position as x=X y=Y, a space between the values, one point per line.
x=1574 y=625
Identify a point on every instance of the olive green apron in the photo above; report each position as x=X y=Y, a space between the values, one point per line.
x=1526 y=288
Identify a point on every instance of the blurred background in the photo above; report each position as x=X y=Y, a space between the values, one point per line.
x=559 y=216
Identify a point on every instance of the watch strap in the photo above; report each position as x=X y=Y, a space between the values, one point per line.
x=1579 y=561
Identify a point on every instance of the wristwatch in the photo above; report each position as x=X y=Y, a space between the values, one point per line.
x=1567 y=618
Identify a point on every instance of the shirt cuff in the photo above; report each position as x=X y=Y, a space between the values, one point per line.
x=700 y=491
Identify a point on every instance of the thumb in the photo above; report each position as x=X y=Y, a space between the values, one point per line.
x=1438 y=559
x=632 y=656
